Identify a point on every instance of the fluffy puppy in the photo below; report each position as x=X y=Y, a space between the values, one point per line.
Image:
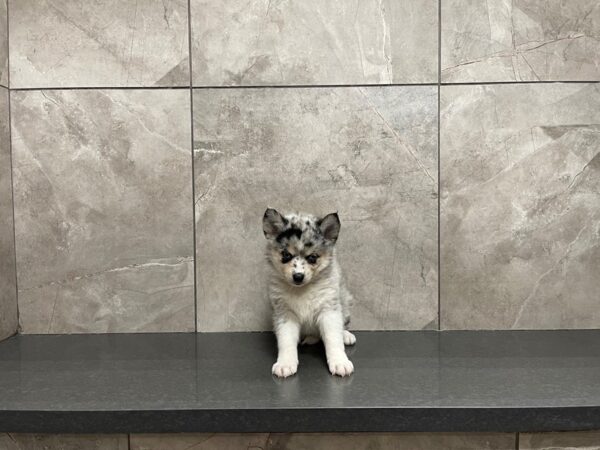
x=306 y=290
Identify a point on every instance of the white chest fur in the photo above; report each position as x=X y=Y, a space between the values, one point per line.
x=308 y=302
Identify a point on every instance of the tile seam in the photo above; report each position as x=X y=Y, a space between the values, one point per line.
x=191 y=91
x=439 y=152
x=299 y=86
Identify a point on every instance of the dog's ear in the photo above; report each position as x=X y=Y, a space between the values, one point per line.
x=273 y=223
x=330 y=227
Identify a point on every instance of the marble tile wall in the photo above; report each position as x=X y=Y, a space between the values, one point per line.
x=550 y=441
x=368 y=152
x=341 y=441
x=271 y=42
x=8 y=288
x=315 y=106
x=520 y=206
x=520 y=40
x=3 y=43
x=107 y=43
x=103 y=222
x=276 y=441
x=15 y=441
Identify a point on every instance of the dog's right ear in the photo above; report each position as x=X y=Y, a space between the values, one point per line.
x=273 y=223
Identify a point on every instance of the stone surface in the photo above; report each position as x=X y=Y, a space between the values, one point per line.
x=369 y=153
x=3 y=44
x=8 y=289
x=325 y=441
x=314 y=42
x=103 y=210
x=520 y=40
x=520 y=223
x=552 y=441
x=199 y=441
x=15 y=441
x=100 y=44
x=391 y=441
x=405 y=381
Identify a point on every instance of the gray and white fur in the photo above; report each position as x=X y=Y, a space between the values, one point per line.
x=309 y=298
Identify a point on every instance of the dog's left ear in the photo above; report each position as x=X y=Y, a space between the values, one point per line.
x=330 y=227
x=273 y=223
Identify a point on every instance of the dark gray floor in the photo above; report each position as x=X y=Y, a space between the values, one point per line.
x=404 y=381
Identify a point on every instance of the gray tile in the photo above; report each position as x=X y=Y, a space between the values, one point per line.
x=3 y=44
x=103 y=210
x=369 y=153
x=8 y=291
x=64 y=43
x=326 y=441
x=392 y=441
x=520 y=40
x=520 y=223
x=199 y=441
x=314 y=42
x=550 y=441
x=15 y=441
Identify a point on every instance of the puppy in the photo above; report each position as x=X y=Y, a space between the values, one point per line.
x=306 y=290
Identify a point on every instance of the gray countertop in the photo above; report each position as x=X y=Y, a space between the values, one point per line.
x=221 y=382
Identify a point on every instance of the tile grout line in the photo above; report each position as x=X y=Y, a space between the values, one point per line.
x=485 y=83
x=10 y=158
x=191 y=88
x=304 y=86
x=100 y=88
x=8 y=47
x=309 y=86
x=439 y=256
x=254 y=86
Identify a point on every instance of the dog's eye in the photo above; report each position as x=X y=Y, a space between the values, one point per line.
x=312 y=258
x=286 y=257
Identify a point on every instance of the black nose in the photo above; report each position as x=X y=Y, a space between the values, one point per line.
x=298 y=277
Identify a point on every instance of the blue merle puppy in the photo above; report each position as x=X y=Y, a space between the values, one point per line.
x=309 y=298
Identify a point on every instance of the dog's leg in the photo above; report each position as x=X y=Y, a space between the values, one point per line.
x=288 y=335
x=331 y=325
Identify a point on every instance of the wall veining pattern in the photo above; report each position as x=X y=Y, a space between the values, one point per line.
x=368 y=152
x=240 y=43
x=520 y=241
x=66 y=43
x=8 y=287
x=520 y=40
x=129 y=125
x=102 y=195
x=135 y=124
x=4 y=43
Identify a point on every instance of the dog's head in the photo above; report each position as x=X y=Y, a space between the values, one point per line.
x=300 y=247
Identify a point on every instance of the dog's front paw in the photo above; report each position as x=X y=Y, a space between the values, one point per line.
x=349 y=338
x=341 y=366
x=284 y=369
